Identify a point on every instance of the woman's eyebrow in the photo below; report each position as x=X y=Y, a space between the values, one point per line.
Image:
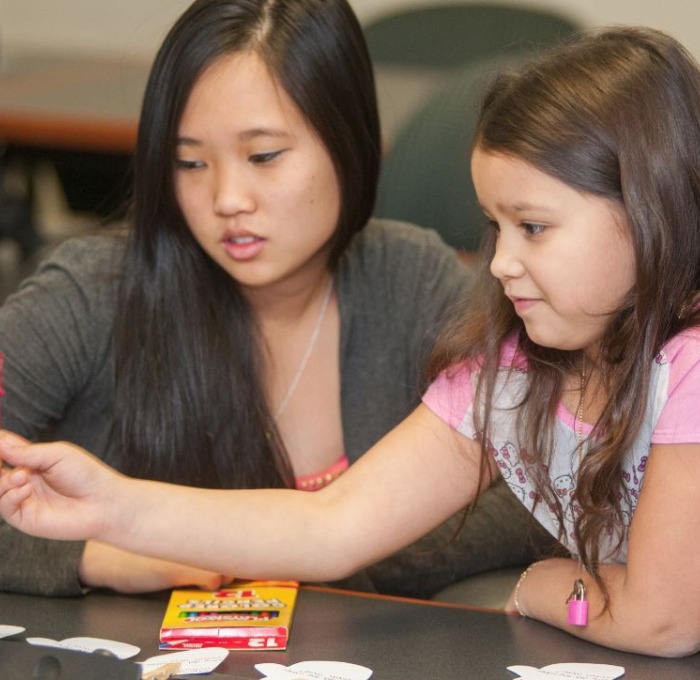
x=244 y=136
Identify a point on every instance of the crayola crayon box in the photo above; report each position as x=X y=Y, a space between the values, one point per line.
x=252 y=615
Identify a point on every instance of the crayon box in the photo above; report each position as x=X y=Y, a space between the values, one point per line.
x=245 y=615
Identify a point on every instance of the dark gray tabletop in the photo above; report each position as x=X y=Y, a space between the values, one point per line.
x=397 y=639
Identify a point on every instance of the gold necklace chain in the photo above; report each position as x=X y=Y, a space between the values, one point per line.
x=578 y=421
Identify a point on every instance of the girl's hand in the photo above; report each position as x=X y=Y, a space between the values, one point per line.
x=103 y=566
x=54 y=490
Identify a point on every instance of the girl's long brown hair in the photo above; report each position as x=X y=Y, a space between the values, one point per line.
x=614 y=114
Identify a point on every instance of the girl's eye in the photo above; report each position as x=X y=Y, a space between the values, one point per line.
x=533 y=228
x=262 y=158
x=183 y=164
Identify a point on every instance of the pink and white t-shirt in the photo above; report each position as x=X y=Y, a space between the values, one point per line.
x=672 y=417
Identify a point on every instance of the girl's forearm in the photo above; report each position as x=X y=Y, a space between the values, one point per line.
x=381 y=504
x=258 y=534
x=269 y=533
x=633 y=622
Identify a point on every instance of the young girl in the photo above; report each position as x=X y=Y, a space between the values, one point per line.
x=575 y=376
x=255 y=329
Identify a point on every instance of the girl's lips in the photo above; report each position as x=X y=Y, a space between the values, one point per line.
x=523 y=305
x=244 y=247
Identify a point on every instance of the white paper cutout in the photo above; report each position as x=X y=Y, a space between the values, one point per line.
x=567 y=671
x=6 y=631
x=314 y=670
x=122 y=650
x=190 y=661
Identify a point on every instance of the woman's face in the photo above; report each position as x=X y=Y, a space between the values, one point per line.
x=255 y=183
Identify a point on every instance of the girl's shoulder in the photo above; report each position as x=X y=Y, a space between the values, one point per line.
x=685 y=346
x=451 y=394
x=675 y=389
x=681 y=354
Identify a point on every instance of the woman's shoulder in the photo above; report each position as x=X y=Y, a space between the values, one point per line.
x=384 y=237
x=86 y=254
x=405 y=255
x=83 y=269
x=402 y=269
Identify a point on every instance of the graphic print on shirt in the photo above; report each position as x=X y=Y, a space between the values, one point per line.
x=511 y=469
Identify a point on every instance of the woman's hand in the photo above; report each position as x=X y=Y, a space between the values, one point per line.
x=54 y=490
x=103 y=566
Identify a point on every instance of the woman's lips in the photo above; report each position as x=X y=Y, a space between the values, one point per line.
x=244 y=247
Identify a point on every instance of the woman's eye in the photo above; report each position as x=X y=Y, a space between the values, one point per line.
x=262 y=158
x=533 y=228
x=183 y=164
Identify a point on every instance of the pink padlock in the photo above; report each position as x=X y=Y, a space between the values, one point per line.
x=578 y=605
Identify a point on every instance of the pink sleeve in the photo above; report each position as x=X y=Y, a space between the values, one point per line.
x=450 y=395
x=679 y=422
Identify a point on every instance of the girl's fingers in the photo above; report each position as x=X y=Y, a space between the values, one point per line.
x=12 y=499
x=13 y=479
x=11 y=448
x=11 y=439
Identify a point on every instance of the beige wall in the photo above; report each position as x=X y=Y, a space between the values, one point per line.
x=135 y=27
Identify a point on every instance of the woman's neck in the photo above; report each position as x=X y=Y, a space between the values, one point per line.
x=289 y=304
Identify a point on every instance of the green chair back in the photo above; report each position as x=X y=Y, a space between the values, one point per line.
x=426 y=177
x=451 y=35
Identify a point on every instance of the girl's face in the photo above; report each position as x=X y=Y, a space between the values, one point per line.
x=564 y=258
x=254 y=182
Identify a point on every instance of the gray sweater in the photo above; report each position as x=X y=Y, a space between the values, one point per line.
x=395 y=285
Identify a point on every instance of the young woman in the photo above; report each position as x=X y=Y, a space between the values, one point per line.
x=255 y=328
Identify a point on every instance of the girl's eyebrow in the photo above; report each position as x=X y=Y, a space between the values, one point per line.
x=523 y=207
x=517 y=207
x=244 y=136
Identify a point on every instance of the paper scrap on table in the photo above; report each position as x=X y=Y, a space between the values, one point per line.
x=567 y=671
x=122 y=650
x=6 y=631
x=191 y=661
x=314 y=670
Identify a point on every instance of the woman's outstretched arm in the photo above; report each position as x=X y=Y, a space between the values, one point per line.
x=415 y=477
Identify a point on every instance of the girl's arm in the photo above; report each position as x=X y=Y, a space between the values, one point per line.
x=655 y=597
x=414 y=478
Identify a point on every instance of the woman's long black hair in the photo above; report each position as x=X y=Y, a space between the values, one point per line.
x=190 y=405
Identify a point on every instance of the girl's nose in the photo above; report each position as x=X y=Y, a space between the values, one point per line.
x=506 y=263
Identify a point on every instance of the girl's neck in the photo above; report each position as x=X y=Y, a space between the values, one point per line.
x=584 y=392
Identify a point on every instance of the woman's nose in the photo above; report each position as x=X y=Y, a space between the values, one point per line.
x=233 y=193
